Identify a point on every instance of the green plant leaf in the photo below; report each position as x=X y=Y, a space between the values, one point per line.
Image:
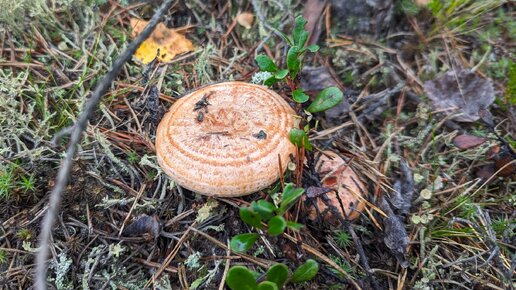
x=266 y=64
x=281 y=74
x=283 y=36
x=278 y=274
x=270 y=81
x=306 y=271
x=293 y=62
x=266 y=285
x=264 y=208
x=277 y=225
x=298 y=137
x=240 y=278
x=243 y=242
x=299 y=96
x=299 y=34
x=250 y=217
x=290 y=195
x=294 y=226
x=327 y=98
x=313 y=48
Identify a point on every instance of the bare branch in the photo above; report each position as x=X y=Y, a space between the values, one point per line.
x=40 y=282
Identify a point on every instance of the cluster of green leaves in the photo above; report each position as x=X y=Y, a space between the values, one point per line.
x=277 y=276
x=294 y=56
x=262 y=211
x=262 y=214
x=326 y=99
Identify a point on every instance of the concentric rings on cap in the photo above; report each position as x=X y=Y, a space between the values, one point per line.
x=225 y=139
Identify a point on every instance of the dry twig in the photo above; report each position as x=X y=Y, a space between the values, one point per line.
x=76 y=134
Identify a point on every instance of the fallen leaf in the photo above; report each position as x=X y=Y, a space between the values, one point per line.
x=460 y=91
x=502 y=164
x=146 y=226
x=313 y=13
x=402 y=196
x=487 y=117
x=468 y=141
x=245 y=19
x=396 y=237
x=485 y=172
x=339 y=178
x=167 y=41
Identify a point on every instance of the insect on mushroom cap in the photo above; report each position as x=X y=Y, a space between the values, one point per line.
x=225 y=139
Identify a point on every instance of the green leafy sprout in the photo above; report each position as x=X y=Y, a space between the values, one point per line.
x=326 y=99
x=262 y=214
x=276 y=277
x=265 y=215
x=263 y=211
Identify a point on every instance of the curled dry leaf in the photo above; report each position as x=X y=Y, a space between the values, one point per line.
x=167 y=41
x=485 y=172
x=245 y=19
x=468 y=141
x=461 y=92
x=396 y=238
x=402 y=196
x=503 y=158
x=336 y=175
x=145 y=226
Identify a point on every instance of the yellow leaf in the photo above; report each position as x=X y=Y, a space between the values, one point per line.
x=245 y=19
x=168 y=41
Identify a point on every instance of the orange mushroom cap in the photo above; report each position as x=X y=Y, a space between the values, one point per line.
x=225 y=139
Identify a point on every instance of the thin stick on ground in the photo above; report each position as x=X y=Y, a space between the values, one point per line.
x=40 y=282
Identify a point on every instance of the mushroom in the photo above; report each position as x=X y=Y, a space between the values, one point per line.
x=337 y=175
x=225 y=139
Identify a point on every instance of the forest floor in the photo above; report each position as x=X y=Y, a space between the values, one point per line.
x=441 y=202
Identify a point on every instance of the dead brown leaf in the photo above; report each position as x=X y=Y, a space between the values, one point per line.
x=460 y=91
x=468 y=141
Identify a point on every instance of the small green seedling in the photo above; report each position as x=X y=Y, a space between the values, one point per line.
x=325 y=100
x=298 y=48
x=262 y=214
x=276 y=277
x=262 y=211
